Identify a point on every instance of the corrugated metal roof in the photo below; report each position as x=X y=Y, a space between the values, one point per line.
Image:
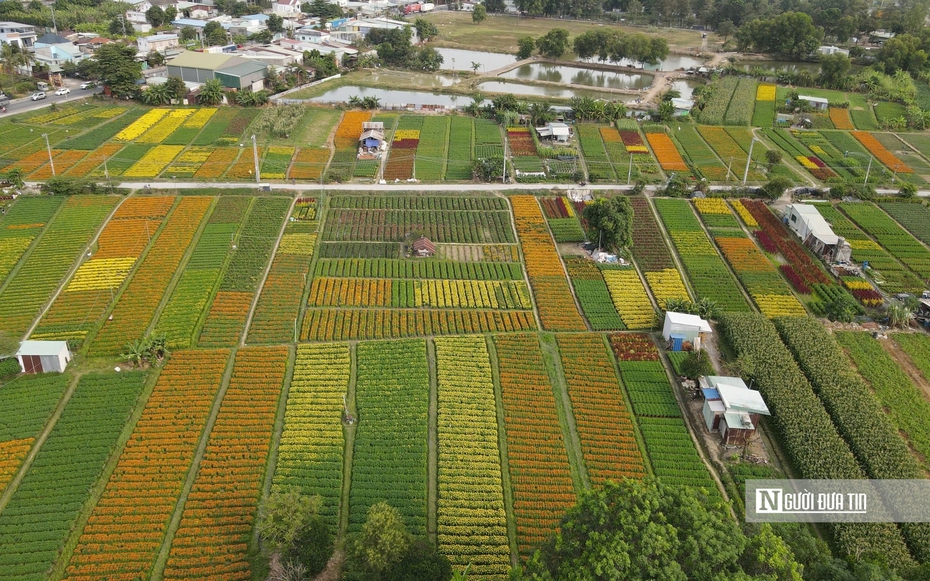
x=241 y=69
x=42 y=348
x=200 y=60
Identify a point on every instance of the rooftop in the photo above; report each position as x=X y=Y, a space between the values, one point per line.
x=42 y=347
x=689 y=320
x=200 y=60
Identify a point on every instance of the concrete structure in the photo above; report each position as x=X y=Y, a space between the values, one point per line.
x=731 y=408
x=158 y=42
x=233 y=71
x=828 y=50
x=362 y=26
x=272 y=55
x=692 y=327
x=312 y=35
x=682 y=106
x=22 y=35
x=43 y=356
x=818 y=103
x=53 y=51
x=559 y=132
x=816 y=233
x=287 y=8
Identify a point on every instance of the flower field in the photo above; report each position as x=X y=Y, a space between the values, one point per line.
x=12 y=454
x=629 y=297
x=126 y=528
x=539 y=469
x=278 y=307
x=761 y=280
x=392 y=395
x=557 y=310
x=653 y=256
x=914 y=217
x=699 y=155
x=347 y=324
x=592 y=294
x=223 y=502
x=729 y=150
x=309 y=163
x=891 y=236
x=48 y=501
x=666 y=152
x=217 y=164
x=882 y=154
x=310 y=453
x=605 y=425
x=472 y=520
x=20 y=226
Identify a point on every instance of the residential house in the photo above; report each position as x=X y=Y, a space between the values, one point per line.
x=136 y=15
x=817 y=103
x=815 y=233
x=54 y=50
x=157 y=42
x=731 y=408
x=22 y=35
x=287 y=8
x=312 y=35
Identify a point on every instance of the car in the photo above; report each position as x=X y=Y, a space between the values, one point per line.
x=63 y=91
x=88 y=85
x=38 y=95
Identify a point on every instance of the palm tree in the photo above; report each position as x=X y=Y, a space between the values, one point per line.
x=156 y=95
x=371 y=102
x=355 y=101
x=212 y=93
x=135 y=353
x=540 y=113
x=475 y=66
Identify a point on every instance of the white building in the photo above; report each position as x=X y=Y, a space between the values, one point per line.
x=816 y=233
x=312 y=35
x=685 y=327
x=818 y=103
x=731 y=408
x=682 y=106
x=43 y=356
x=22 y=35
x=287 y=8
x=158 y=42
x=559 y=132
x=828 y=50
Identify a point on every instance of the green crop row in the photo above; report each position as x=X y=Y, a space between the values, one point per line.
x=254 y=244
x=458 y=165
x=449 y=226
x=593 y=295
x=431 y=150
x=27 y=403
x=890 y=235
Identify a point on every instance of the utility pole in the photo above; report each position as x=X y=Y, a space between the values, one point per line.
x=629 y=174
x=49 y=148
x=54 y=24
x=749 y=160
x=258 y=177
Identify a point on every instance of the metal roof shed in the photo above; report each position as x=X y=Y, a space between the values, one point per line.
x=43 y=356
x=691 y=326
x=242 y=75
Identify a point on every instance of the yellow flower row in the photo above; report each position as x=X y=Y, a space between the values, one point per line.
x=141 y=125
x=153 y=162
x=805 y=161
x=779 y=306
x=281 y=150
x=165 y=127
x=765 y=92
x=864 y=245
x=856 y=283
x=299 y=243
x=196 y=155
x=630 y=298
x=108 y=113
x=637 y=149
x=101 y=273
x=667 y=284
x=471 y=293
x=200 y=118
x=406 y=134
x=818 y=150
x=712 y=206
x=744 y=214
x=273 y=175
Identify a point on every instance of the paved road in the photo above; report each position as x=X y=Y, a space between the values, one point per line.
x=25 y=104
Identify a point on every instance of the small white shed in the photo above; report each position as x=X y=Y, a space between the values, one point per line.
x=43 y=356
x=691 y=327
x=731 y=408
x=818 y=103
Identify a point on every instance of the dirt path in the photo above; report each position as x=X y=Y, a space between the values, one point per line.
x=904 y=361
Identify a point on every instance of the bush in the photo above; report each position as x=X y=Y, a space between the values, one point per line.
x=9 y=368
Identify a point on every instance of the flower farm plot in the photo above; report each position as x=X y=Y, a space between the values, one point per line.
x=629 y=297
x=671 y=451
x=309 y=163
x=128 y=524
x=653 y=256
x=105 y=132
x=189 y=162
x=460 y=159
x=882 y=266
x=165 y=127
x=472 y=520
x=903 y=401
x=740 y=109
x=311 y=448
x=136 y=308
x=800 y=268
x=191 y=127
x=42 y=512
x=893 y=143
x=761 y=280
x=346 y=141
x=706 y=271
x=605 y=425
x=211 y=133
x=764 y=113
x=345 y=324
x=276 y=162
x=540 y=473
x=730 y=150
x=20 y=226
x=142 y=125
x=560 y=214
x=699 y=156
x=592 y=293
x=278 y=307
x=624 y=144
x=666 y=152
x=595 y=155
x=715 y=106
x=401 y=161
x=215 y=531
x=801 y=420
x=441 y=219
x=389 y=464
x=891 y=236
x=914 y=217
x=432 y=148
x=219 y=161
x=64 y=160
x=554 y=300
x=744 y=214
x=715 y=214
x=841 y=119
x=244 y=168
x=38 y=277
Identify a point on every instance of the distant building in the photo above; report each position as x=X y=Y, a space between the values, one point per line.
x=559 y=132
x=731 y=408
x=682 y=106
x=818 y=103
x=287 y=8
x=816 y=233
x=423 y=247
x=157 y=42
x=233 y=71
x=22 y=35
x=53 y=51
x=828 y=50
x=43 y=356
x=312 y=35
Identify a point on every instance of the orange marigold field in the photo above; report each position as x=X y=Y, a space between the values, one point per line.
x=666 y=152
x=12 y=454
x=309 y=163
x=841 y=119
x=346 y=324
x=125 y=238
x=126 y=528
x=226 y=318
x=31 y=162
x=213 y=536
x=145 y=207
x=218 y=162
x=879 y=151
x=244 y=168
x=64 y=160
x=94 y=159
x=350 y=128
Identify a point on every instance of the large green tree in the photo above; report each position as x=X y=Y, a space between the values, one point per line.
x=553 y=44
x=118 y=69
x=610 y=220
x=791 y=34
x=214 y=34
x=382 y=542
x=289 y=522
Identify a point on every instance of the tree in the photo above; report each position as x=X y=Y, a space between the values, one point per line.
x=899 y=315
x=696 y=364
x=212 y=93
x=776 y=187
x=610 y=221
x=908 y=190
x=643 y=530
x=176 y=88
x=275 y=23
x=843 y=308
x=289 y=522
x=475 y=66
x=118 y=68
x=497 y=6
x=171 y=13
x=156 y=95
x=155 y=58
x=119 y=27
x=214 y=34
x=188 y=33
x=791 y=34
x=905 y=52
x=525 y=47
x=155 y=16
x=553 y=44
x=382 y=542
x=421 y=562
x=726 y=29
x=834 y=71
x=15 y=178
x=479 y=14
x=772 y=157
x=425 y=29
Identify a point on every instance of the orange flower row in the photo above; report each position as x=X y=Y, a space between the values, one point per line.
x=605 y=426
x=226 y=318
x=94 y=160
x=879 y=151
x=743 y=255
x=279 y=304
x=557 y=309
x=218 y=162
x=841 y=119
x=309 y=163
x=350 y=128
x=125 y=238
x=342 y=292
x=666 y=152
x=539 y=468
x=126 y=528
x=63 y=162
x=144 y=207
x=213 y=536
x=346 y=324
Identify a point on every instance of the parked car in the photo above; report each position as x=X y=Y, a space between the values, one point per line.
x=63 y=91
x=88 y=84
x=38 y=95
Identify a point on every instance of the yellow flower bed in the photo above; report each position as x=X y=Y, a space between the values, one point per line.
x=406 y=134
x=200 y=118
x=765 y=92
x=667 y=284
x=807 y=163
x=196 y=155
x=102 y=273
x=744 y=214
x=630 y=298
x=779 y=306
x=298 y=243
x=856 y=283
x=153 y=162
x=165 y=127
x=273 y=175
x=818 y=150
x=281 y=150
x=864 y=245
x=637 y=149
x=108 y=113
x=141 y=125
x=711 y=206
x=471 y=294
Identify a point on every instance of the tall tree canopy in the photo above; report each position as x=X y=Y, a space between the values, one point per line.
x=611 y=221
x=118 y=68
x=791 y=34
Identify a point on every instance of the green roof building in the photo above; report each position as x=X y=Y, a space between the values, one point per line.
x=233 y=71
